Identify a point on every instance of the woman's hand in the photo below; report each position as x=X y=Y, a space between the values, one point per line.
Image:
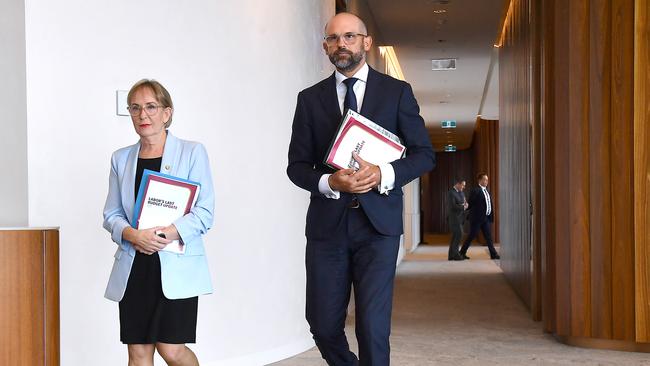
x=170 y=232
x=147 y=241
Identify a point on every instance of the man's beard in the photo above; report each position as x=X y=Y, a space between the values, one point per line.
x=346 y=63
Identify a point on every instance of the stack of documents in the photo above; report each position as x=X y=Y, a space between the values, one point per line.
x=162 y=199
x=372 y=142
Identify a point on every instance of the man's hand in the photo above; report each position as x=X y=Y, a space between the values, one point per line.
x=361 y=181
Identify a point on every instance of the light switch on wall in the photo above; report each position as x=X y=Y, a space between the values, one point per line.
x=122 y=105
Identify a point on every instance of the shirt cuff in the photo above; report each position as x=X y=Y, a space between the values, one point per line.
x=325 y=189
x=387 y=178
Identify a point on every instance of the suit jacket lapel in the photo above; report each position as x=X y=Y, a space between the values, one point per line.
x=128 y=188
x=370 y=97
x=170 y=153
x=330 y=99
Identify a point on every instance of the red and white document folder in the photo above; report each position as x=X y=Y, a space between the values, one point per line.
x=372 y=142
x=162 y=199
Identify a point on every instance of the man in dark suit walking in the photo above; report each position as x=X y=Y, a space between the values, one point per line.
x=354 y=219
x=456 y=206
x=481 y=216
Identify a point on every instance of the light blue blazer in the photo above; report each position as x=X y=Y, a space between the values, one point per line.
x=182 y=275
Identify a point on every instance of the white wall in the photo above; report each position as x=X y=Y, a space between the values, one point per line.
x=13 y=120
x=412 y=216
x=233 y=69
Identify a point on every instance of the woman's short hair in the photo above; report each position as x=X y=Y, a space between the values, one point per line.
x=159 y=91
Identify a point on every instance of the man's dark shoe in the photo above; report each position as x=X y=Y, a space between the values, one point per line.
x=496 y=256
x=464 y=256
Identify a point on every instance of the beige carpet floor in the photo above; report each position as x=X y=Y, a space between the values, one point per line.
x=464 y=313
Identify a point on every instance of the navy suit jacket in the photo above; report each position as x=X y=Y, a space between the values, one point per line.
x=478 y=207
x=388 y=102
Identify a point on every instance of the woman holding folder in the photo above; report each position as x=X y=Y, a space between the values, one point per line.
x=157 y=290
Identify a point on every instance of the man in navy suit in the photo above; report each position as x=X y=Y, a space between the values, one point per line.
x=354 y=220
x=481 y=216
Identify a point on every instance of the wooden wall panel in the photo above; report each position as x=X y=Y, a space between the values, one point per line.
x=21 y=303
x=548 y=168
x=577 y=122
x=52 y=311
x=517 y=115
x=642 y=168
x=600 y=197
x=622 y=169
x=536 y=162
x=29 y=305
x=590 y=199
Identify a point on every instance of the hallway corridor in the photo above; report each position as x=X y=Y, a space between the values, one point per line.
x=465 y=313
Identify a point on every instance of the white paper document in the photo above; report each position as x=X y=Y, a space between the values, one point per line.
x=372 y=142
x=163 y=199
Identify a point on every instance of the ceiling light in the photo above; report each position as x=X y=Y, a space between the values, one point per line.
x=440 y=11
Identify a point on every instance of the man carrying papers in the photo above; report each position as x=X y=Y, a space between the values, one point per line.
x=354 y=219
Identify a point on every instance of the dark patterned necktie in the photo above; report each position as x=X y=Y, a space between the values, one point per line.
x=350 y=101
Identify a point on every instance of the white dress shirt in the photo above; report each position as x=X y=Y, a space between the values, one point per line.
x=387 y=172
x=488 y=203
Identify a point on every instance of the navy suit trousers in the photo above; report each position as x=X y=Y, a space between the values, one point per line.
x=484 y=226
x=361 y=257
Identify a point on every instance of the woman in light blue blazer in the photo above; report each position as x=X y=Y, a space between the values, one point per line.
x=157 y=290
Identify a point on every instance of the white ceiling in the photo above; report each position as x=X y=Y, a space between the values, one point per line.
x=467 y=31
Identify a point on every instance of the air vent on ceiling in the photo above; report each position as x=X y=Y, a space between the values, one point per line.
x=443 y=64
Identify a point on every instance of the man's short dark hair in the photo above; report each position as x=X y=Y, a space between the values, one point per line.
x=480 y=176
x=458 y=180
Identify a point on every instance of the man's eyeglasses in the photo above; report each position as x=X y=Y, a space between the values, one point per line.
x=348 y=38
x=150 y=109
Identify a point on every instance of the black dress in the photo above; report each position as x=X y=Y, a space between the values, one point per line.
x=146 y=315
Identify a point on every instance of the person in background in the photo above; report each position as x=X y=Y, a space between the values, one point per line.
x=157 y=290
x=481 y=216
x=456 y=206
